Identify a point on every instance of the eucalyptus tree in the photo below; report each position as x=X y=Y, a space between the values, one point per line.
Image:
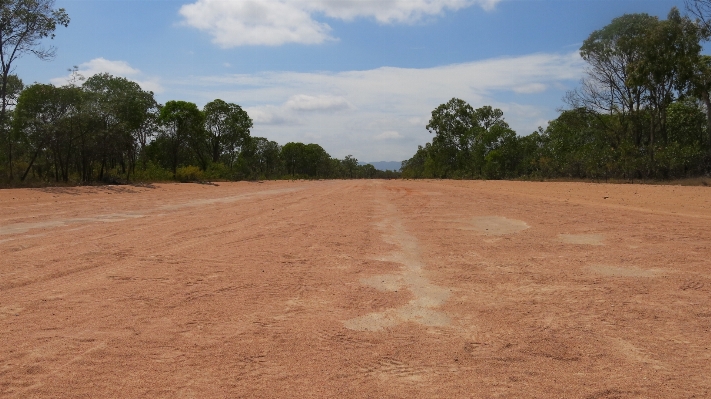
x=700 y=87
x=181 y=123
x=467 y=139
x=293 y=154
x=492 y=143
x=24 y=24
x=46 y=124
x=451 y=123
x=317 y=161
x=125 y=116
x=261 y=157
x=611 y=53
x=227 y=126
x=350 y=163
x=638 y=66
x=665 y=70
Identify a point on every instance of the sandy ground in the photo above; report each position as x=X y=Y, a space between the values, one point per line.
x=363 y=289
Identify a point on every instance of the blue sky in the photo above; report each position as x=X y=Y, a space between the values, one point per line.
x=358 y=77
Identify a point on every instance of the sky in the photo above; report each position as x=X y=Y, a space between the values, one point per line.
x=358 y=77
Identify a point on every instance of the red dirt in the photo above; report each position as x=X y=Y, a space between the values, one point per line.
x=356 y=289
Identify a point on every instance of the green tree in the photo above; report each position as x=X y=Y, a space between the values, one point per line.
x=292 y=154
x=415 y=167
x=492 y=144
x=227 y=126
x=181 y=125
x=700 y=87
x=45 y=122
x=125 y=116
x=260 y=158
x=350 y=164
x=23 y=26
x=638 y=66
x=451 y=123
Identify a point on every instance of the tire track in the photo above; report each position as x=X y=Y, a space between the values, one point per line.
x=423 y=308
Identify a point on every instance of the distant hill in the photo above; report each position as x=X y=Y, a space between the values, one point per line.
x=385 y=165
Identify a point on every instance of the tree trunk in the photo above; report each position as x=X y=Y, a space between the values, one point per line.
x=30 y=165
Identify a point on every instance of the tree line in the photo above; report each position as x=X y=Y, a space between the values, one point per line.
x=643 y=110
x=109 y=129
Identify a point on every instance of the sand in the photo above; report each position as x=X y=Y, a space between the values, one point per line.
x=411 y=289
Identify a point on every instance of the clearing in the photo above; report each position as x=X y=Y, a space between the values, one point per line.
x=356 y=289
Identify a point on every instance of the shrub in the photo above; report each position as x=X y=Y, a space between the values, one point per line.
x=189 y=174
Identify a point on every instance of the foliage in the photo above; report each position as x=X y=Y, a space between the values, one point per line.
x=189 y=174
x=643 y=110
x=467 y=143
x=23 y=26
x=639 y=113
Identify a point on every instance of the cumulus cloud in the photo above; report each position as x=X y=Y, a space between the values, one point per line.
x=254 y=22
x=116 y=68
x=351 y=111
x=275 y=22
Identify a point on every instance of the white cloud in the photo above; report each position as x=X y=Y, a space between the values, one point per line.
x=303 y=102
x=254 y=22
x=530 y=88
x=390 y=11
x=275 y=22
x=116 y=68
x=270 y=115
x=352 y=111
x=388 y=135
x=291 y=112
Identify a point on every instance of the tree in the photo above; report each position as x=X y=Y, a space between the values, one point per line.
x=700 y=9
x=350 y=164
x=492 y=143
x=610 y=53
x=227 y=126
x=261 y=158
x=181 y=122
x=638 y=66
x=452 y=124
x=701 y=88
x=292 y=154
x=125 y=114
x=45 y=123
x=23 y=26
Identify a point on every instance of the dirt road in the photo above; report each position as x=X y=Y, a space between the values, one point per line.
x=356 y=289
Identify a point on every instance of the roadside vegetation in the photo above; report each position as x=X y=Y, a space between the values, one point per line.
x=642 y=111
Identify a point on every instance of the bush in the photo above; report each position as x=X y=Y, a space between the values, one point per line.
x=152 y=172
x=218 y=171
x=189 y=174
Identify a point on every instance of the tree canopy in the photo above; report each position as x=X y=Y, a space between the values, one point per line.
x=24 y=24
x=642 y=111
